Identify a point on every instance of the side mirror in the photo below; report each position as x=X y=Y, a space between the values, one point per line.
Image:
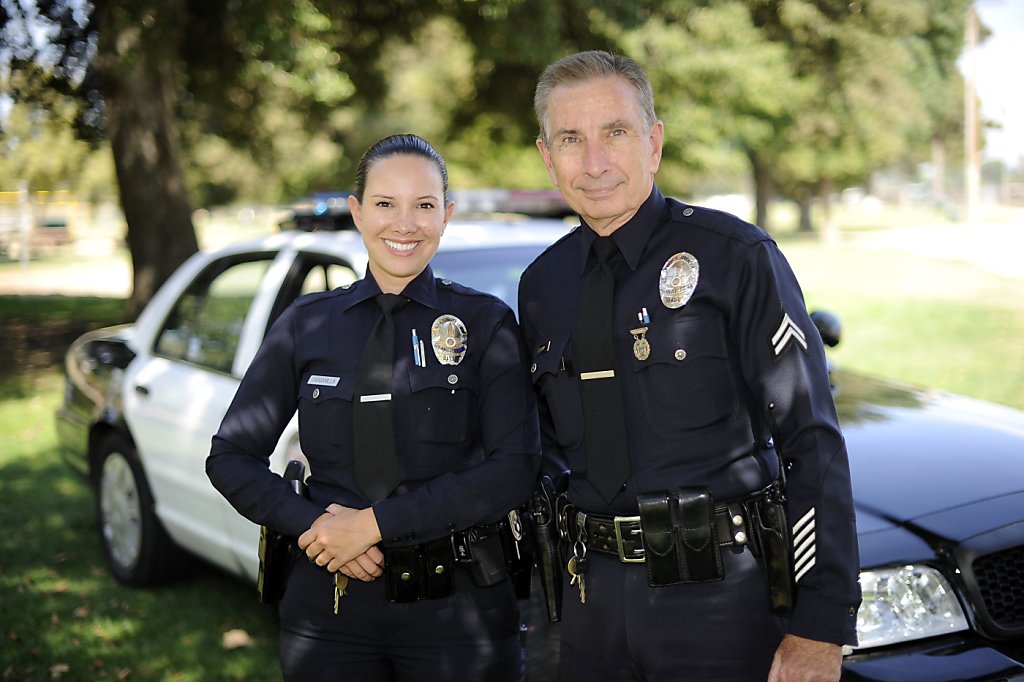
x=828 y=326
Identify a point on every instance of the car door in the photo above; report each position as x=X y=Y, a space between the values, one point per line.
x=175 y=400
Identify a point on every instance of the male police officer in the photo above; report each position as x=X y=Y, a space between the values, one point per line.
x=676 y=365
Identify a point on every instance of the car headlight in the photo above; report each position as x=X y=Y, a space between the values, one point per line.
x=905 y=603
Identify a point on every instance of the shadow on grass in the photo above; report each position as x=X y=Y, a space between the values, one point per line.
x=64 y=616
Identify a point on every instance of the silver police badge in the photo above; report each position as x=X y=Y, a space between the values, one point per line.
x=678 y=280
x=448 y=337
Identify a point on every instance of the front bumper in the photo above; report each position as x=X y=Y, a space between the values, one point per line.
x=946 y=660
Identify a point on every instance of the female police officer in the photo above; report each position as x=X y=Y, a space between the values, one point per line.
x=418 y=451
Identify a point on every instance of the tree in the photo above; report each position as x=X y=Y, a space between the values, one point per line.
x=862 y=62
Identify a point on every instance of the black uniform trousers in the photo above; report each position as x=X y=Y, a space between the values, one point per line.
x=719 y=631
x=470 y=636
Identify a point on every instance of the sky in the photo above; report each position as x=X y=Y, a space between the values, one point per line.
x=999 y=62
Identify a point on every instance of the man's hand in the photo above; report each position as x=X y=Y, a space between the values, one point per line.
x=344 y=537
x=805 y=660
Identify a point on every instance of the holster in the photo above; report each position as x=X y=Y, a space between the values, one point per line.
x=544 y=529
x=488 y=566
x=680 y=537
x=517 y=543
x=767 y=515
x=277 y=551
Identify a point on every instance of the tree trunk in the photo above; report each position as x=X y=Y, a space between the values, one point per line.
x=137 y=58
x=805 y=224
x=829 y=228
x=762 y=190
x=938 y=172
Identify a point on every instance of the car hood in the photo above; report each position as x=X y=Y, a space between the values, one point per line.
x=939 y=464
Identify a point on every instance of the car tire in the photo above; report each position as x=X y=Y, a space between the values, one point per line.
x=137 y=548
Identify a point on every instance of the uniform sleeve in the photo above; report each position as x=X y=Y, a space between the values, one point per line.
x=784 y=364
x=506 y=476
x=238 y=464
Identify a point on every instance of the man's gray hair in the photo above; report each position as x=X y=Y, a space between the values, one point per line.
x=584 y=66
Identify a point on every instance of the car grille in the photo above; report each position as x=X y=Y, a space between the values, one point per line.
x=1000 y=578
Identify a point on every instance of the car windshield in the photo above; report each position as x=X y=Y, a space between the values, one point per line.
x=495 y=271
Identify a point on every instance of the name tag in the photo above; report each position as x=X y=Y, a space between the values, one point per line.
x=320 y=380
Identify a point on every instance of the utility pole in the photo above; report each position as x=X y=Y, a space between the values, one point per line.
x=972 y=163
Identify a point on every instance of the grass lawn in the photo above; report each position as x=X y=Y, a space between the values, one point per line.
x=62 y=616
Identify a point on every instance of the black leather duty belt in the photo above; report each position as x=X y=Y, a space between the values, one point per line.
x=623 y=535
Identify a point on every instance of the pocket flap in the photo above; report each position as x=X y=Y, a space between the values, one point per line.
x=448 y=377
x=678 y=341
x=549 y=358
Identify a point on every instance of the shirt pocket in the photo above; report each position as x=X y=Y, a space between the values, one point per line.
x=552 y=375
x=686 y=382
x=443 y=403
x=325 y=420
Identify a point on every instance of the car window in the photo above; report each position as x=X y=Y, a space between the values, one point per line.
x=495 y=271
x=326 y=276
x=205 y=324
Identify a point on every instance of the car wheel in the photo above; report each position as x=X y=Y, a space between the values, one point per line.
x=138 y=549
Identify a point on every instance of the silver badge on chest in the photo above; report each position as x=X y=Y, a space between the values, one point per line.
x=678 y=280
x=448 y=337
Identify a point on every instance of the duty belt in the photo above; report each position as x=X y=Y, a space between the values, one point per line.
x=623 y=535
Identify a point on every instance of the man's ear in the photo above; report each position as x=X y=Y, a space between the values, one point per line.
x=545 y=155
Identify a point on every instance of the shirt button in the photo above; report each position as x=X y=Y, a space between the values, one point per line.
x=680 y=354
x=687 y=211
x=316 y=393
x=533 y=368
x=453 y=379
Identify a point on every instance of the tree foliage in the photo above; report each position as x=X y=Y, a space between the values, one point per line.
x=214 y=101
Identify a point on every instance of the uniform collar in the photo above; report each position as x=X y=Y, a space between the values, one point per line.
x=422 y=289
x=632 y=237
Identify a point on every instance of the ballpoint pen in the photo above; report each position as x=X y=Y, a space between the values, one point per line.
x=416 y=357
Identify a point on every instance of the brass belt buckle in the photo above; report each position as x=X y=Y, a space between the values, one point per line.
x=617 y=522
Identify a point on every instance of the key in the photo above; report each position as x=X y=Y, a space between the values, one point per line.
x=578 y=579
x=340 y=583
x=515 y=524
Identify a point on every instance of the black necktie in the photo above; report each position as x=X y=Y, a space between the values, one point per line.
x=603 y=414
x=376 y=465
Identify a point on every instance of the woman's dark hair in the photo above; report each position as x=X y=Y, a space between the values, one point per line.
x=394 y=145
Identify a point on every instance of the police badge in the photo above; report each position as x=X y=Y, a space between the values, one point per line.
x=448 y=337
x=678 y=280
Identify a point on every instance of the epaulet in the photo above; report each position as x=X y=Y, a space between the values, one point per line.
x=462 y=289
x=315 y=297
x=553 y=245
x=717 y=221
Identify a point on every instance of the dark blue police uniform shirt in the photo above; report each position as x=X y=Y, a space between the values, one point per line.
x=734 y=374
x=466 y=435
